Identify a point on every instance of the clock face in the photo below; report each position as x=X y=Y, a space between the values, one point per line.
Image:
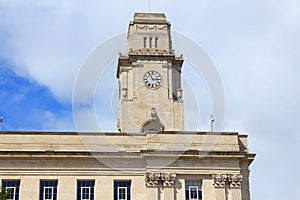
x=152 y=79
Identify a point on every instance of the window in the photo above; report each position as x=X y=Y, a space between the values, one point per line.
x=13 y=186
x=85 y=190
x=122 y=190
x=48 y=189
x=145 y=42
x=150 y=42
x=193 y=190
x=156 y=42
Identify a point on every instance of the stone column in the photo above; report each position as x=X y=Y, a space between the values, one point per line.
x=235 y=184
x=168 y=181
x=220 y=184
x=152 y=183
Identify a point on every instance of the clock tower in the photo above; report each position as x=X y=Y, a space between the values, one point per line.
x=150 y=93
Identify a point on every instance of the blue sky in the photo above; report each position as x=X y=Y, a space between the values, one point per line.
x=255 y=46
x=25 y=104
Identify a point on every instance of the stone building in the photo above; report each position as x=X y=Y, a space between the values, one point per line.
x=152 y=157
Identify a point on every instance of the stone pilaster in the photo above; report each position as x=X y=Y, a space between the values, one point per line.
x=228 y=182
x=245 y=189
x=152 y=181
x=156 y=180
x=220 y=184
x=168 y=181
x=235 y=185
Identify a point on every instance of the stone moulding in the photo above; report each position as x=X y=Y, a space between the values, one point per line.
x=146 y=27
x=151 y=51
x=154 y=179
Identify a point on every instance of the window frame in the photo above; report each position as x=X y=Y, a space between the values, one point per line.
x=190 y=193
x=86 y=184
x=122 y=184
x=14 y=192
x=13 y=184
x=191 y=185
x=48 y=184
x=119 y=188
x=82 y=193
x=51 y=193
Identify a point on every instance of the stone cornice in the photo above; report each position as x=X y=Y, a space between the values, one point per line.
x=151 y=52
x=142 y=155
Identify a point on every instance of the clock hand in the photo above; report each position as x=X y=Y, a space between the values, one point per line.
x=150 y=76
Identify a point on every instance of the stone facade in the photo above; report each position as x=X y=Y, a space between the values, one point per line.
x=157 y=165
x=150 y=158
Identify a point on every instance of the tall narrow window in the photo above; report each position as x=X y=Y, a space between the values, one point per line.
x=150 y=42
x=193 y=190
x=13 y=187
x=122 y=190
x=156 y=42
x=85 y=190
x=145 y=42
x=48 y=189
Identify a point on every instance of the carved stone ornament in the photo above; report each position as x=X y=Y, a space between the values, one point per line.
x=220 y=180
x=147 y=27
x=235 y=180
x=154 y=179
x=224 y=180
x=168 y=179
x=149 y=51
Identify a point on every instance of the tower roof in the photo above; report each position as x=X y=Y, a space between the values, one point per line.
x=150 y=18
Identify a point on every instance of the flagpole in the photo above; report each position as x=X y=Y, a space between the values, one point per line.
x=148 y=6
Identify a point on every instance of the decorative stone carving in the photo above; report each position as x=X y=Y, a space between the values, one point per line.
x=220 y=180
x=231 y=180
x=179 y=94
x=235 y=180
x=149 y=51
x=154 y=179
x=168 y=179
x=147 y=27
x=124 y=93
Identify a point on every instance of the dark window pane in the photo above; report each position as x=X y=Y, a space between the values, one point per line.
x=150 y=42
x=145 y=42
x=156 y=42
x=122 y=190
x=13 y=186
x=193 y=190
x=85 y=189
x=48 y=189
